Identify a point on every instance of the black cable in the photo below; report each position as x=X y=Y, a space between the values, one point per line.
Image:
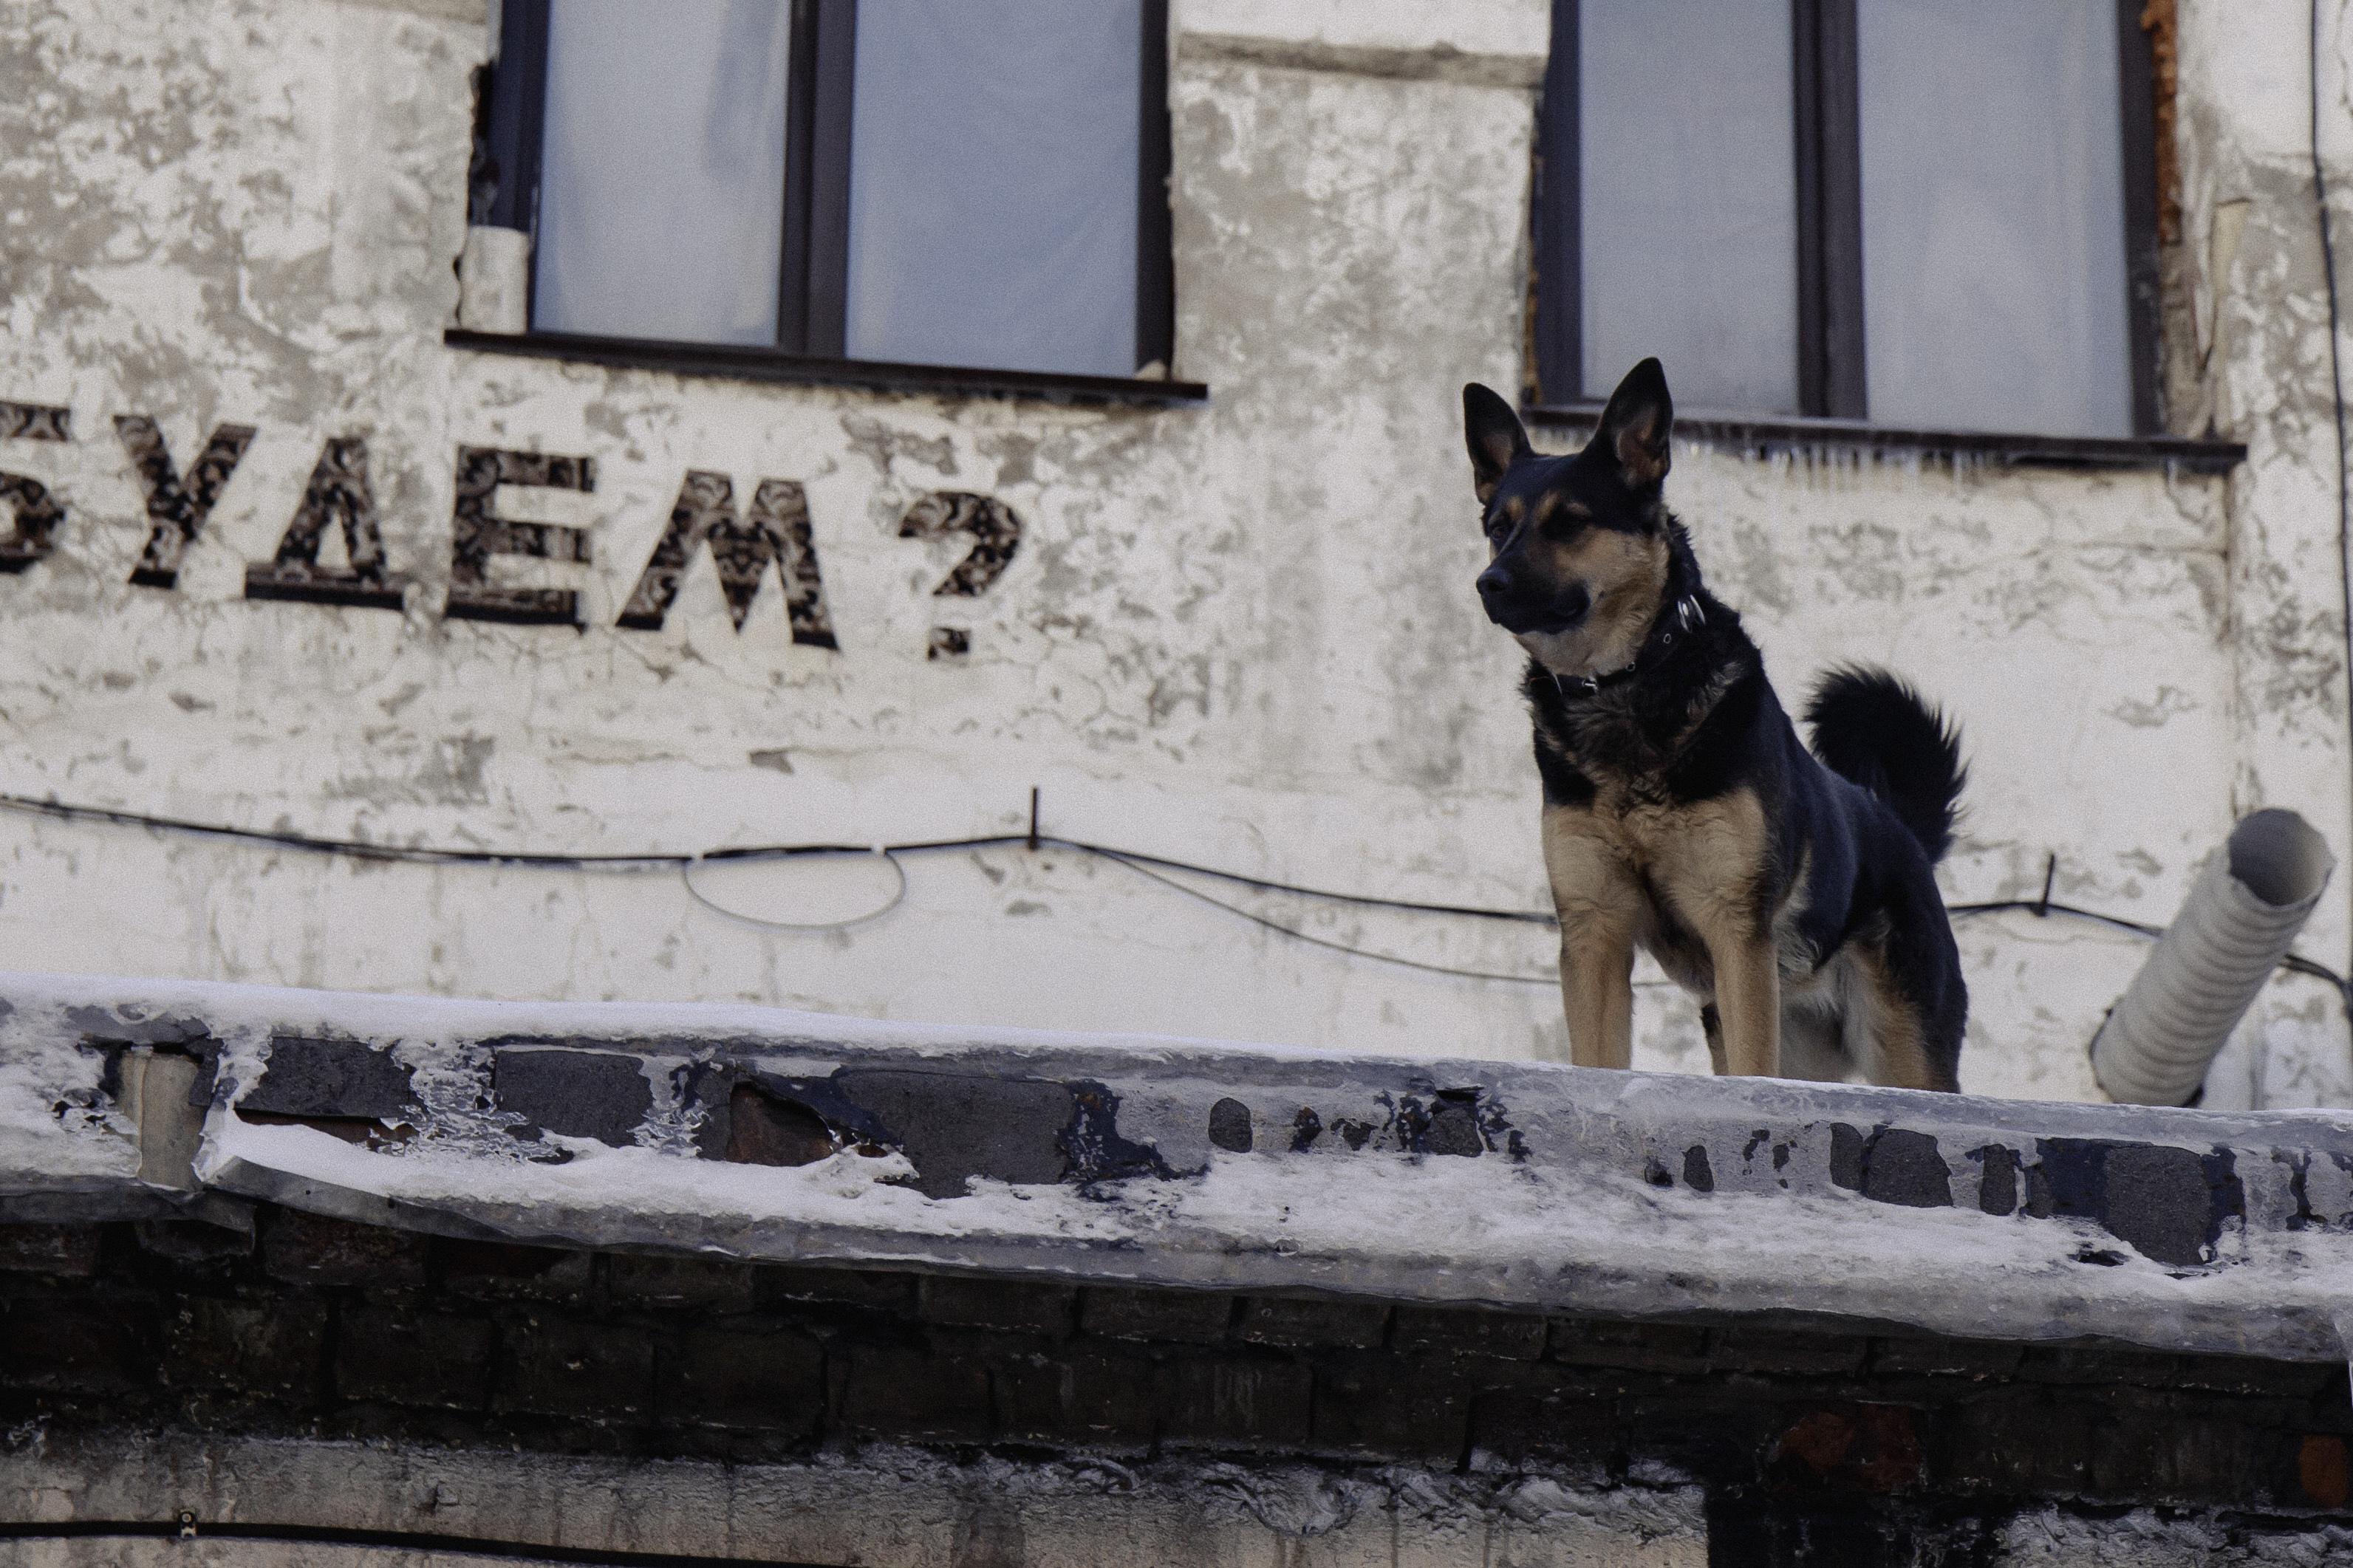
x=357 y=848
x=1473 y=911
x=2293 y=963
x=1141 y=863
x=2336 y=366
x=425 y=855
x=1137 y=865
x=1144 y=865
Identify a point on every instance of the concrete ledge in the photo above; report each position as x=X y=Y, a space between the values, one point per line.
x=767 y=1135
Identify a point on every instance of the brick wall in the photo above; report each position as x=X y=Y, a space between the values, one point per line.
x=322 y=1328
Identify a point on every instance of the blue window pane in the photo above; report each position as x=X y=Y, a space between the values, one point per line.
x=1688 y=192
x=993 y=183
x=661 y=188
x=1993 y=216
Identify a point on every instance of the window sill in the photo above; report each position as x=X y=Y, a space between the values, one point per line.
x=727 y=362
x=2192 y=454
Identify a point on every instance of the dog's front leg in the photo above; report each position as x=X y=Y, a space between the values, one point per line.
x=1712 y=871
x=1600 y=908
x=1597 y=991
x=1747 y=1004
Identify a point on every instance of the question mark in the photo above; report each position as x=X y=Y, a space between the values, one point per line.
x=996 y=533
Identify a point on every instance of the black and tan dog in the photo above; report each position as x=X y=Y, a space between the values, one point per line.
x=1682 y=815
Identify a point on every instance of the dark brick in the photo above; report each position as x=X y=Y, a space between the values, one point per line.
x=1904 y=1167
x=954 y=1126
x=1014 y=1306
x=310 y=1249
x=602 y=1095
x=341 y=1079
x=764 y=1129
x=1392 y=1407
x=2097 y=1363
x=2324 y=1472
x=499 y=1270
x=705 y=1282
x=875 y=1289
x=1230 y=1402
x=1454 y=1125
x=1854 y=1447
x=61 y=1249
x=1635 y=1347
x=2245 y=1374
x=900 y=1392
x=1292 y=1321
x=1726 y=1425
x=397 y=1356
x=1083 y=1395
x=1787 y=1354
x=1545 y=1414
x=2168 y=1203
x=2162 y=1201
x=1230 y=1126
x=764 y=1381
x=2011 y=1442
x=1469 y=1331
x=193 y=1242
x=89 y=1346
x=2151 y=1448
x=270 y=1348
x=1180 y=1317
x=1978 y=1359
x=595 y=1371
x=1846 y=1157
x=1998 y=1188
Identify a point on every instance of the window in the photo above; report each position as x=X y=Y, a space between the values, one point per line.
x=1931 y=214
x=976 y=183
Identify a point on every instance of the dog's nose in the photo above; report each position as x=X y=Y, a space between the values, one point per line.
x=1494 y=582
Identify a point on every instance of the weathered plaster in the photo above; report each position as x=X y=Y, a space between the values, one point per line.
x=894 y=1507
x=2253 y=236
x=1239 y=633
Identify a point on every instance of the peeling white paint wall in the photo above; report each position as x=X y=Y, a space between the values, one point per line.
x=1240 y=634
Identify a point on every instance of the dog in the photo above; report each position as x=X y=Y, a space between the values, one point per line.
x=1793 y=892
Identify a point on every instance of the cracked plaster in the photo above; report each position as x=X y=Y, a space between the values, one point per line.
x=1239 y=633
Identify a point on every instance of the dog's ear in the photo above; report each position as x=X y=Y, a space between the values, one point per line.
x=1496 y=437
x=1636 y=425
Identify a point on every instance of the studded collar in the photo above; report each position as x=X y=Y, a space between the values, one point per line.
x=1686 y=615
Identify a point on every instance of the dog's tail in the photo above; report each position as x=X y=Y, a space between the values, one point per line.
x=1878 y=732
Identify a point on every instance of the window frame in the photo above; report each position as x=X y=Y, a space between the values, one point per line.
x=813 y=282
x=1826 y=125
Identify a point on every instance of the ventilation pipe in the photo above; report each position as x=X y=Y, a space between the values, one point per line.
x=2242 y=912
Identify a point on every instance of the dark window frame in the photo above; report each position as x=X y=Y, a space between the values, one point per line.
x=1825 y=85
x=813 y=282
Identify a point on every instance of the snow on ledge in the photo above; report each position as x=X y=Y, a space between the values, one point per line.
x=766 y=1135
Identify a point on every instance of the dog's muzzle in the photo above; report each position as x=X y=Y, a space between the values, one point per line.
x=1510 y=606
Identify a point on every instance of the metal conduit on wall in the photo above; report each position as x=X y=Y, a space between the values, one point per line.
x=2243 y=911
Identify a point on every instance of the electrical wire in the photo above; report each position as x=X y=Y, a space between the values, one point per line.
x=897 y=896
x=1136 y=864
x=660 y=859
x=1154 y=867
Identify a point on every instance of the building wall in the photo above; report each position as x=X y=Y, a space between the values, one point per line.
x=1240 y=634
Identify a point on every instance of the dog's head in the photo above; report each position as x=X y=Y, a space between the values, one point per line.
x=1579 y=546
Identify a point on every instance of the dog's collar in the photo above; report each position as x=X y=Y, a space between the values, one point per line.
x=1686 y=615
